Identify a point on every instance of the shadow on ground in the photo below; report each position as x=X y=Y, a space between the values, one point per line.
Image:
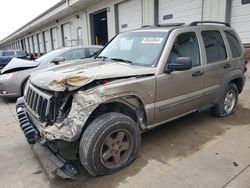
x=177 y=139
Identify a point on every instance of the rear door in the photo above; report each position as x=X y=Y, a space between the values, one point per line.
x=217 y=63
x=180 y=92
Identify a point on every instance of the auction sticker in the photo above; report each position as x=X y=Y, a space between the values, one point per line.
x=152 y=40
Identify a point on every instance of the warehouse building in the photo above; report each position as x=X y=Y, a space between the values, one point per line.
x=77 y=22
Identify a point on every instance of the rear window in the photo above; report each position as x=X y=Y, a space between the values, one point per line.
x=10 y=53
x=234 y=43
x=214 y=45
x=21 y=53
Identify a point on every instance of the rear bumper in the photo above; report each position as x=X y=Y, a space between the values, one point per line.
x=65 y=169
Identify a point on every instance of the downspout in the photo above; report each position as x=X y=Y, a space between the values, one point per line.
x=202 y=11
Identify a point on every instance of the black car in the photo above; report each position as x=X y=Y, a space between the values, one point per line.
x=7 y=56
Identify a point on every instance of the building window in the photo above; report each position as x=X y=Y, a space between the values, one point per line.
x=245 y=1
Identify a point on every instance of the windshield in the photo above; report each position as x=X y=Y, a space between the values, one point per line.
x=47 y=58
x=140 y=48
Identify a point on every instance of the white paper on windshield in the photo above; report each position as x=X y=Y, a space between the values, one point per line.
x=152 y=40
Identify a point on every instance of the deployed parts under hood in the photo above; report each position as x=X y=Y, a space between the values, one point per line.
x=19 y=64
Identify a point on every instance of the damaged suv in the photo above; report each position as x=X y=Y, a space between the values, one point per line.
x=140 y=80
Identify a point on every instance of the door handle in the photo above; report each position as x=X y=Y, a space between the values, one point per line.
x=197 y=73
x=227 y=65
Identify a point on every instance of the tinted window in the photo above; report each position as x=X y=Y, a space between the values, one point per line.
x=214 y=45
x=21 y=53
x=185 y=45
x=74 y=54
x=245 y=1
x=234 y=43
x=9 y=53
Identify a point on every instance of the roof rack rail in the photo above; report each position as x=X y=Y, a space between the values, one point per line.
x=170 y=24
x=215 y=22
x=148 y=26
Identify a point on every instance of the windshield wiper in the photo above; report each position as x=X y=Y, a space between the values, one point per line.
x=103 y=58
x=122 y=60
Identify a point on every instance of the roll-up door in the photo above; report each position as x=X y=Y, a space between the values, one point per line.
x=27 y=44
x=47 y=41
x=35 y=43
x=240 y=19
x=31 y=45
x=67 y=40
x=129 y=15
x=41 y=42
x=54 y=35
x=179 y=11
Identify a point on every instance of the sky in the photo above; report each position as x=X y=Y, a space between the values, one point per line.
x=16 y=13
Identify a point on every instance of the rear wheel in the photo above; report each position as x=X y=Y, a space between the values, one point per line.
x=110 y=143
x=227 y=103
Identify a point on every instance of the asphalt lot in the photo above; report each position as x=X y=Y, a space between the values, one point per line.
x=195 y=151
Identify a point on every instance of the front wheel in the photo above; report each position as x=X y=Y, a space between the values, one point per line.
x=227 y=103
x=110 y=143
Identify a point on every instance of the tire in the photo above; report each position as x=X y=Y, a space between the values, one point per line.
x=220 y=109
x=110 y=143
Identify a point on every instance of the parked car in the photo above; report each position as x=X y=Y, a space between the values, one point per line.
x=14 y=76
x=7 y=56
x=140 y=80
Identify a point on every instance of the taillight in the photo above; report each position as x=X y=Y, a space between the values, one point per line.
x=245 y=66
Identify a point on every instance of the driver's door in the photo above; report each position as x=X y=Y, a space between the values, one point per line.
x=180 y=92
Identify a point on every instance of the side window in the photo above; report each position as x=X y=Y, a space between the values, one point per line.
x=233 y=43
x=185 y=45
x=8 y=53
x=214 y=45
x=21 y=53
x=74 y=54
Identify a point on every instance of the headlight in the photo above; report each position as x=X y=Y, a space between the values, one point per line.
x=6 y=76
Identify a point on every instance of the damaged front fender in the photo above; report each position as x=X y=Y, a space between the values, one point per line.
x=70 y=129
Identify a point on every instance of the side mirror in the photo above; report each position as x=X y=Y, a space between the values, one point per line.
x=181 y=64
x=57 y=60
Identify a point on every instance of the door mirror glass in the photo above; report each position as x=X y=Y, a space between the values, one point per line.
x=181 y=64
x=58 y=60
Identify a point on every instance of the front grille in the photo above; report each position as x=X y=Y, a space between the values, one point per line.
x=39 y=103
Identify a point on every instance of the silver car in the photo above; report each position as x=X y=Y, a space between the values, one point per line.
x=14 y=76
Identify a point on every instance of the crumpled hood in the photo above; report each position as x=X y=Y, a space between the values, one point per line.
x=17 y=63
x=72 y=76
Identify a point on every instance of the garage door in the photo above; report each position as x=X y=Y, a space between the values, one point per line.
x=179 y=11
x=129 y=15
x=240 y=19
x=67 y=34
x=31 y=45
x=35 y=43
x=41 y=42
x=54 y=33
x=47 y=41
